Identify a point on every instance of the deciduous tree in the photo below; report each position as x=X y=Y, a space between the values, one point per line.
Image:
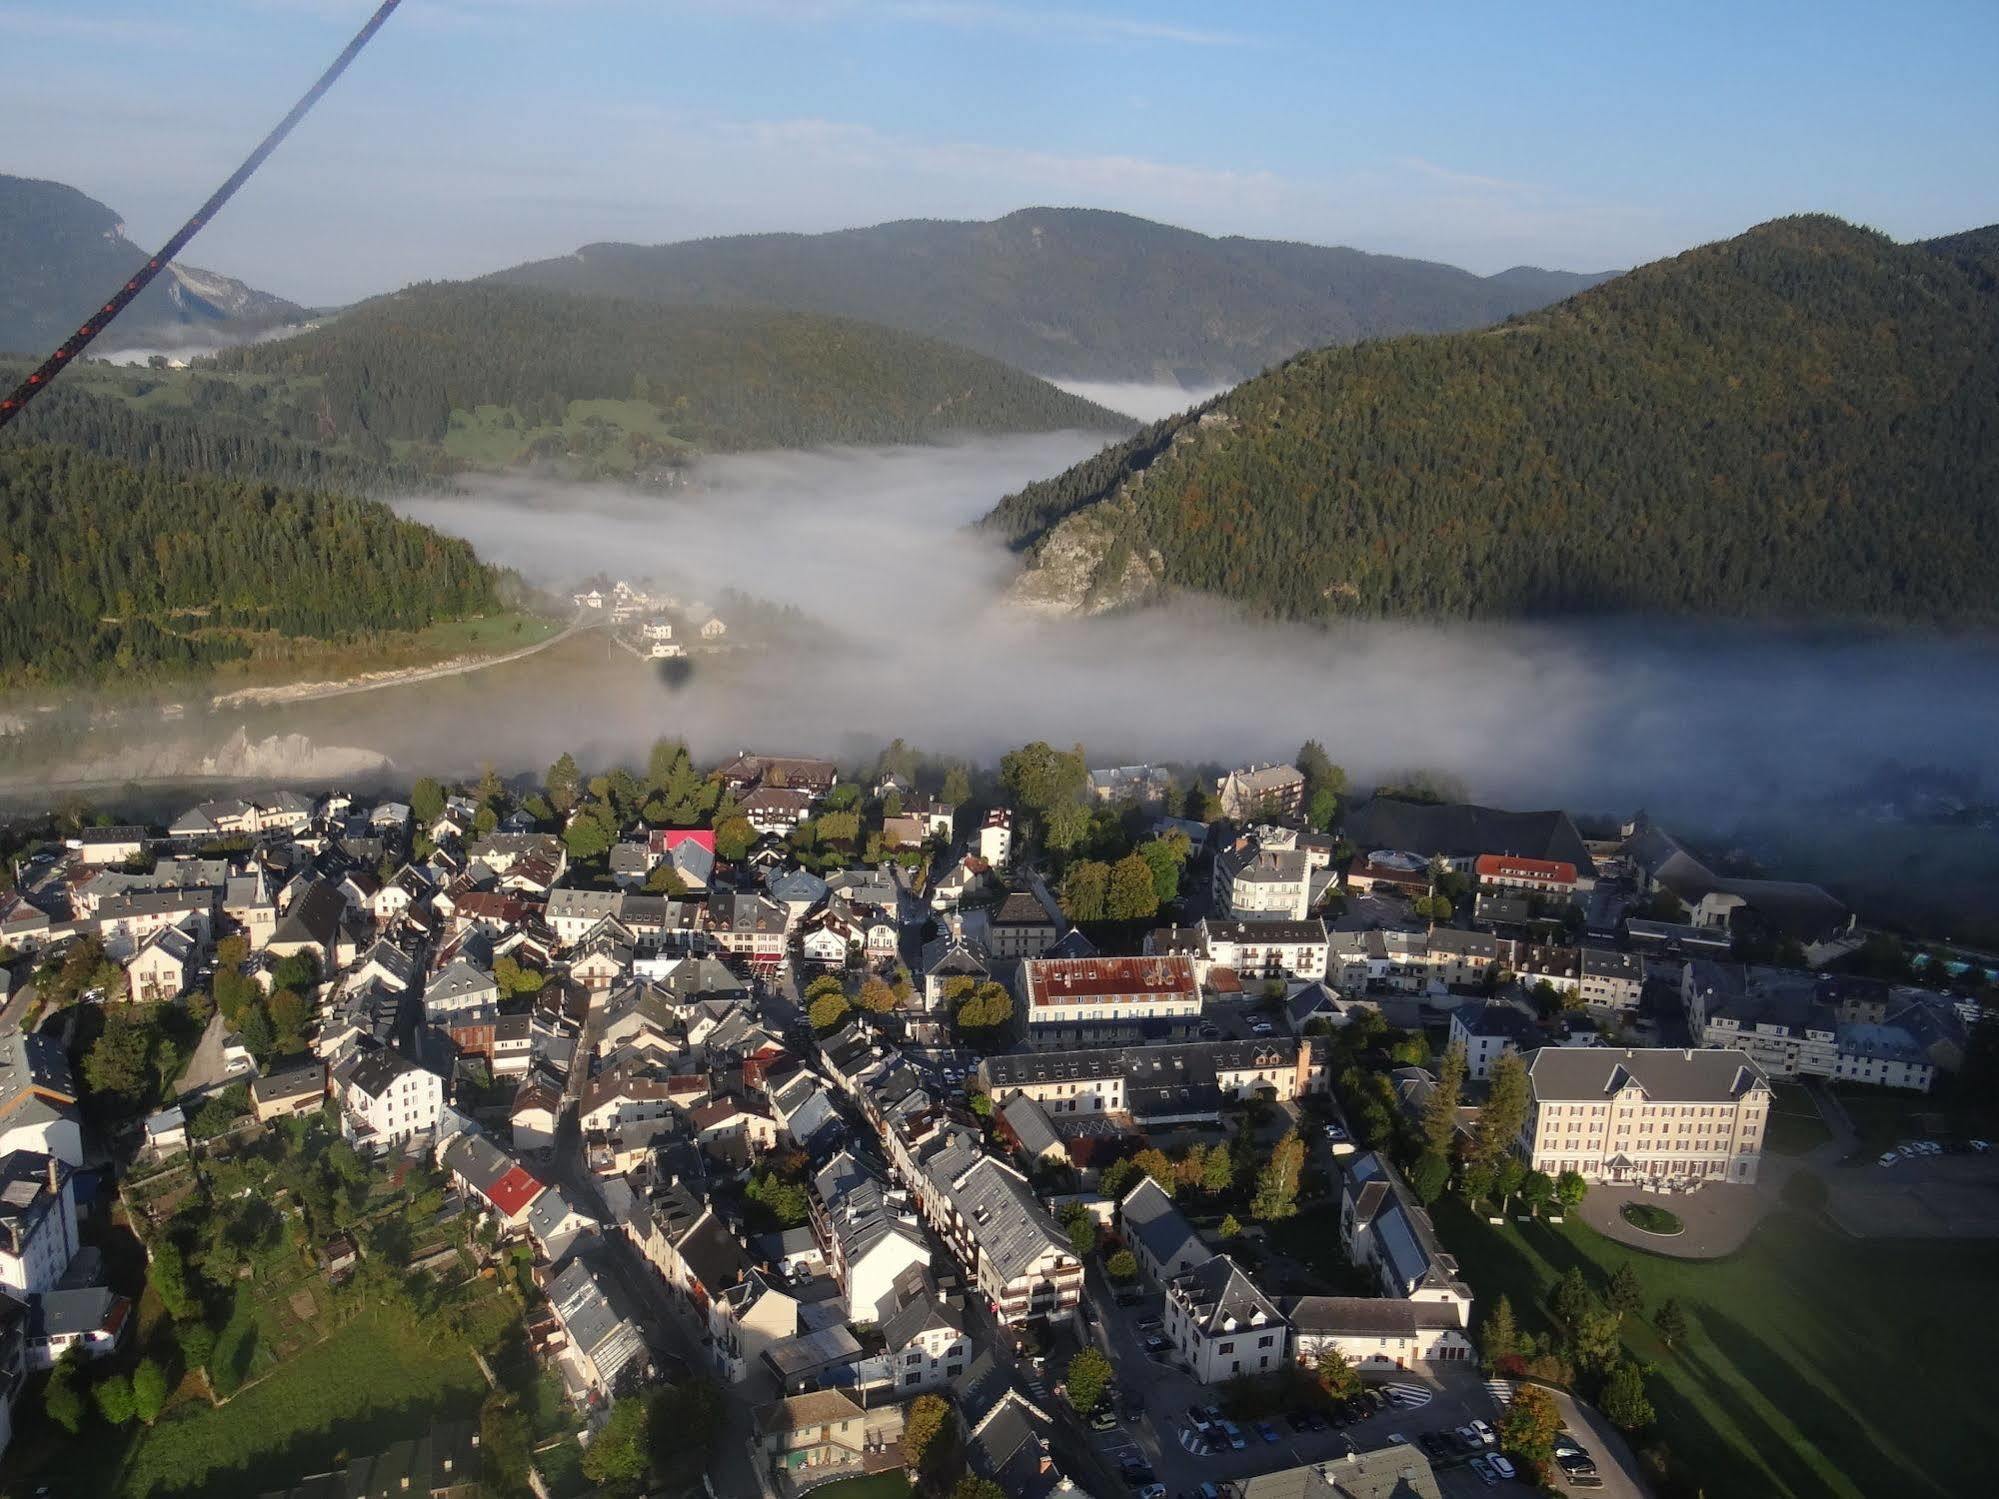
x=619 y=1455
x=1528 y=1428
x=1089 y=1376
x=1277 y=1183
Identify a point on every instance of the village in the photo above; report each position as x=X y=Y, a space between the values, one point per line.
x=784 y=1125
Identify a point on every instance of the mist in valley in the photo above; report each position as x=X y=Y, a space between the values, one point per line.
x=910 y=636
x=902 y=629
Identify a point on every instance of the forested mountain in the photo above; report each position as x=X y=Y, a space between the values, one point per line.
x=1799 y=422
x=498 y=374
x=62 y=253
x=208 y=423
x=1070 y=292
x=110 y=570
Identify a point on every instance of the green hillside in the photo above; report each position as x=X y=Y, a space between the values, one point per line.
x=1073 y=292
x=1799 y=422
x=487 y=376
x=110 y=571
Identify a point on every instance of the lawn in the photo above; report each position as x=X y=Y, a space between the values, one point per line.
x=1816 y=1365
x=373 y=1382
x=1795 y=1127
x=1312 y=1238
x=1883 y=1116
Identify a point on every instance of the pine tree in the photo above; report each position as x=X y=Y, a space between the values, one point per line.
x=1671 y=1322
x=1624 y=1398
x=1440 y=1109
x=1624 y=1293
x=1505 y=1111
x=1498 y=1335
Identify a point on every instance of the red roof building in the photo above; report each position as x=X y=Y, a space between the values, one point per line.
x=1503 y=871
x=512 y=1193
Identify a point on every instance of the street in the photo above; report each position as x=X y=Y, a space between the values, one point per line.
x=672 y=1327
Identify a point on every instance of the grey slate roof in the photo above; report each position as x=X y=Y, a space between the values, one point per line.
x=1462 y=831
x=1713 y=1074
x=1222 y=1299
x=1149 y=1216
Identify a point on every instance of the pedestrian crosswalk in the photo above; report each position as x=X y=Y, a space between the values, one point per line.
x=1501 y=1391
x=1407 y=1397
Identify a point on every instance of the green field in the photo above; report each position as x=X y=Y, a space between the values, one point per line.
x=1795 y=1127
x=601 y=436
x=375 y=1381
x=1817 y=1365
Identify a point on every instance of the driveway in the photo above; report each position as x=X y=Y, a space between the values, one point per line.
x=1717 y=1220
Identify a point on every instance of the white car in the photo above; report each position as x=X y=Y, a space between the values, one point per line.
x=1889 y=1158
x=1981 y=1146
x=1485 y=1433
x=1500 y=1465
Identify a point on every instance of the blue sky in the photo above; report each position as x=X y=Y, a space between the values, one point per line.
x=476 y=133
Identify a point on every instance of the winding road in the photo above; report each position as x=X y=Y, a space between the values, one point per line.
x=312 y=692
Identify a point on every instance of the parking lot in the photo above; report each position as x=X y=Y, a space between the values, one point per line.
x=1945 y=1195
x=1164 y=1433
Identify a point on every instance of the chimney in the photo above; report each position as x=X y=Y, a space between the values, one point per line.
x=55 y=1176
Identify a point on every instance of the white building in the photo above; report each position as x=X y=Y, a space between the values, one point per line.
x=996 y=838
x=387 y=1099
x=1080 y=1001
x=1254 y=883
x=37 y=1222
x=1222 y=1325
x=38 y=1108
x=1660 y=1116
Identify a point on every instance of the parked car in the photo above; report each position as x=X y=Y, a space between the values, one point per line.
x=1199 y=1416
x=1268 y=1432
x=1981 y=1146
x=1485 y=1433
x=1214 y=1414
x=1483 y=1469
x=1103 y=1418
x=1335 y=1134
x=1234 y=1433
x=1889 y=1158
x=1137 y=1472
x=1471 y=1439
x=1153 y=1491
x=1150 y=1324
x=1435 y=1444
x=1157 y=1346
x=1500 y=1465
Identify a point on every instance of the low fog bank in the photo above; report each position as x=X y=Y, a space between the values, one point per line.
x=909 y=639
x=1135 y=398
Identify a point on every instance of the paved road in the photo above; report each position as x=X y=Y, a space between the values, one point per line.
x=18 y=1002
x=671 y=1325
x=319 y=691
